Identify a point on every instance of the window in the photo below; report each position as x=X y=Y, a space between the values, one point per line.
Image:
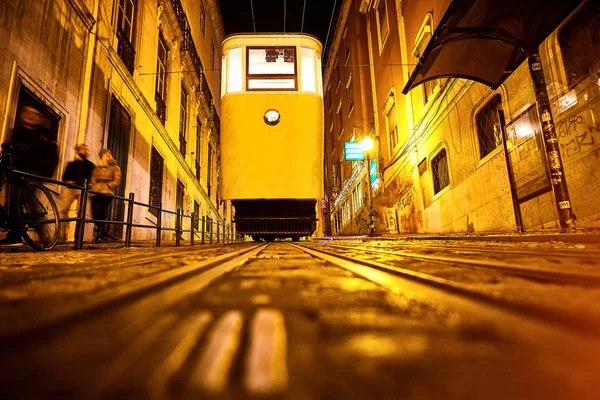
x=439 y=168
x=202 y=18
x=198 y=148
x=338 y=118
x=579 y=41
x=161 y=79
x=428 y=89
x=271 y=68
x=350 y=96
x=196 y=214
x=183 y=121
x=125 y=19
x=234 y=72
x=383 y=26
x=208 y=169
x=392 y=127
x=212 y=54
x=488 y=126
x=179 y=196
x=309 y=78
x=157 y=164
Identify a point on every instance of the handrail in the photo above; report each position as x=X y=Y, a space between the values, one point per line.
x=206 y=225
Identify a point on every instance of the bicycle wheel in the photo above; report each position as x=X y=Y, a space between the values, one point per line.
x=38 y=216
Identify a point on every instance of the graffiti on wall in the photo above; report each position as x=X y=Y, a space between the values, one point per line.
x=578 y=135
x=409 y=218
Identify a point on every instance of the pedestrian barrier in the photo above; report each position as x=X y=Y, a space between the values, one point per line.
x=211 y=230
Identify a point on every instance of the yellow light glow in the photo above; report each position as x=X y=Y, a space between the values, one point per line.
x=523 y=130
x=272 y=117
x=367 y=143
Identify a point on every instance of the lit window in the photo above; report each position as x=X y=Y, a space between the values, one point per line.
x=272 y=68
x=309 y=80
x=234 y=70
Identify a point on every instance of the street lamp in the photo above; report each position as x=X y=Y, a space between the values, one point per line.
x=367 y=146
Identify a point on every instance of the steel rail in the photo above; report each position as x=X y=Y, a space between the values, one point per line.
x=127 y=261
x=529 y=273
x=56 y=319
x=469 y=292
x=547 y=252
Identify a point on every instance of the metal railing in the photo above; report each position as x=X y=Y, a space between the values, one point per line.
x=210 y=232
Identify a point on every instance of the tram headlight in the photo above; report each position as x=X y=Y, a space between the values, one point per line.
x=272 y=117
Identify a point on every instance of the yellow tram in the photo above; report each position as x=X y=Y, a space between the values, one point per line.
x=272 y=133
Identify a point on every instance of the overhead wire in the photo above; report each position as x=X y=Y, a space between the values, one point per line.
x=284 y=12
x=329 y=29
x=253 y=20
x=303 y=12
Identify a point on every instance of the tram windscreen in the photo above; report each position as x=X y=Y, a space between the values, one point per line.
x=272 y=68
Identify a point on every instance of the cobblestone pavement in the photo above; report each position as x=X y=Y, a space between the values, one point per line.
x=342 y=336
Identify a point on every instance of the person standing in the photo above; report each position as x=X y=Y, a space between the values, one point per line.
x=104 y=180
x=76 y=173
x=34 y=153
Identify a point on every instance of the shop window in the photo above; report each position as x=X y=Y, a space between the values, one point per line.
x=579 y=41
x=439 y=168
x=488 y=126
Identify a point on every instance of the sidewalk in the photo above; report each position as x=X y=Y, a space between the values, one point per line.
x=584 y=237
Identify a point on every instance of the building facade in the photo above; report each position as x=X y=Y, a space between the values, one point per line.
x=140 y=77
x=442 y=163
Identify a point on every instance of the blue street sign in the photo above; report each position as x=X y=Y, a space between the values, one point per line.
x=373 y=171
x=353 y=151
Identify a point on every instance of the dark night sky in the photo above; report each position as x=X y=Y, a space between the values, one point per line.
x=268 y=16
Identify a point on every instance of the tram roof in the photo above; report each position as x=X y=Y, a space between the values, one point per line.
x=271 y=39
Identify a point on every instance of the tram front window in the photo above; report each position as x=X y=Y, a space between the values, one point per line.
x=271 y=68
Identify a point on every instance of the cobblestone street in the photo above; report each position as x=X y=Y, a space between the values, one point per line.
x=201 y=321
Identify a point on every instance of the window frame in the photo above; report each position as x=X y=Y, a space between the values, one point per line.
x=496 y=98
x=382 y=40
x=433 y=167
x=250 y=76
x=183 y=117
x=161 y=76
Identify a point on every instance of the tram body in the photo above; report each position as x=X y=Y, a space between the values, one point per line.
x=271 y=141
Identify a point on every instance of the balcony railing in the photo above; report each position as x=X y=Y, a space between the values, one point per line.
x=161 y=108
x=125 y=50
x=188 y=46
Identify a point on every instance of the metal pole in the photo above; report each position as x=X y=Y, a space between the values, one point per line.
x=203 y=230
x=80 y=226
x=211 y=232
x=218 y=234
x=177 y=227
x=557 y=174
x=511 y=175
x=192 y=234
x=371 y=207
x=129 y=221
x=158 y=227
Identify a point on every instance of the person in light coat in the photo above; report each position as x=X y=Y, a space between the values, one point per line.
x=105 y=179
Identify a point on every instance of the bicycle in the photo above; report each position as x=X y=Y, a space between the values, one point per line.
x=29 y=208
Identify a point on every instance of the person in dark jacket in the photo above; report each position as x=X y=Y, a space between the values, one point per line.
x=105 y=179
x=34 y=152
x=76 y=173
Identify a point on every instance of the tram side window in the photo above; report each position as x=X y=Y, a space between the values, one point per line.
x=271 y=68
x=309 y=79
x=234 y=70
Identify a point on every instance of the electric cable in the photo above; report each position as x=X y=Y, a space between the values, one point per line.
x=303 y=12
x=284 y=12
x=329 y=29
x=253 y=20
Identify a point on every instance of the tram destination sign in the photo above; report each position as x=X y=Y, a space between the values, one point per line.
x=353 y=151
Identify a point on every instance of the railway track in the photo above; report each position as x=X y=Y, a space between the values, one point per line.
x=118 y=330
x=540 y=274
x=392 y=264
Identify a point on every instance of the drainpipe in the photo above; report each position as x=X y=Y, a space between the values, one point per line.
x=90 y=53
x=557 y=173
